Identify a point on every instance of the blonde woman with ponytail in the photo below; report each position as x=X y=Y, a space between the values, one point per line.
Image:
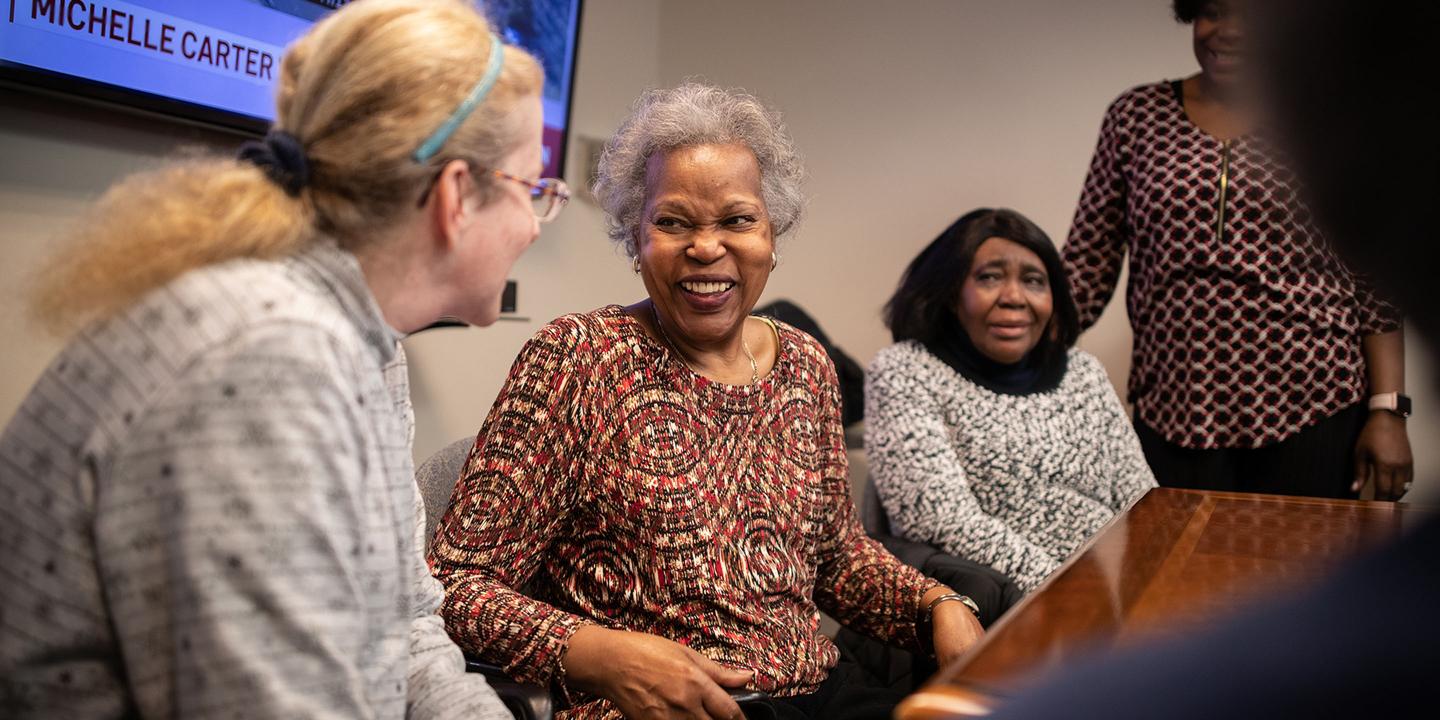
x=208 y=500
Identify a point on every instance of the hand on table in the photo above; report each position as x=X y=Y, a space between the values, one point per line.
x=647 y=676
x=1382 y=456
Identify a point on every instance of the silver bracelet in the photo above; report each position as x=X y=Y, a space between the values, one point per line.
x=957 y=597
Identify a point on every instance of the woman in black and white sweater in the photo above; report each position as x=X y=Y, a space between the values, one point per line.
x=988 y=435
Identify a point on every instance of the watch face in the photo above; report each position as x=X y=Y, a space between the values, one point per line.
x=1402 y=405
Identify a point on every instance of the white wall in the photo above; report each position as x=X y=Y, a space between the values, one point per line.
x=909 y=113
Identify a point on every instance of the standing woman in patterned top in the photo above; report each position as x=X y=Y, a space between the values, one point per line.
x=1261 y=363
x=209 y=503
x=656 y=508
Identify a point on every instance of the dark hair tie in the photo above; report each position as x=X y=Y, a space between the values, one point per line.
x=282 y=157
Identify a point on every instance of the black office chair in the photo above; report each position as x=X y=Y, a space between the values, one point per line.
x=993 y=591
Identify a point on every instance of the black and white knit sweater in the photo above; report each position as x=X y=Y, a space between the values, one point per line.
x=1017 y=482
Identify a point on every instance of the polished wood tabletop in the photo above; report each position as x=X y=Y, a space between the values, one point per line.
x=1172 y=562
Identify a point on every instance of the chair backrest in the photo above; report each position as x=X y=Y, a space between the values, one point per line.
x=436 y=478
x=872 y=513
x=862 y=484
x=849 y=372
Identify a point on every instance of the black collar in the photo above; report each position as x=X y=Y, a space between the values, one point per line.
x=1039 y=371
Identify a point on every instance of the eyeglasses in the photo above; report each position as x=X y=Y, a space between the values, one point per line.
x=547 y=195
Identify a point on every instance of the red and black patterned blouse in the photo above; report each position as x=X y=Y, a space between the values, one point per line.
x=1247 y=325
x=618 y=487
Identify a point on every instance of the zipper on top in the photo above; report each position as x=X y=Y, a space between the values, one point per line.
x=1224 y=189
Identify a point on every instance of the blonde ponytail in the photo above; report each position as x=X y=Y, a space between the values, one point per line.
x=358 y=92
x=154 y=226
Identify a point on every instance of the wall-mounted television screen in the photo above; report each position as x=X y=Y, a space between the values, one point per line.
x=216 y=61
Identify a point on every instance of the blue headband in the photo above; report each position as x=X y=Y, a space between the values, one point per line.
x=433 y=143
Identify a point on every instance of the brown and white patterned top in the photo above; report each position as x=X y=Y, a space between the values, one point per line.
x=615 y=486
x=1244 y=334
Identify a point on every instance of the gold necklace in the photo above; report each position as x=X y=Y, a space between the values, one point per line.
x=754 y=368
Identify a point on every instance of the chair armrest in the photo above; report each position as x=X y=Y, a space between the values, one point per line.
x=994 y=591
x=525 y=701
x=533 y=702
x=755 y=704
x=745 y=696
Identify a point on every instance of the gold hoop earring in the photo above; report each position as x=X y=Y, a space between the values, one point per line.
x=635 y=263
x=774 y=260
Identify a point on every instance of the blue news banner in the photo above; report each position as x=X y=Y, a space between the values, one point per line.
x=222 y=54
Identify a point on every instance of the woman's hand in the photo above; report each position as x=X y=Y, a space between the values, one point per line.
x=647 y=676
x=1382 y=456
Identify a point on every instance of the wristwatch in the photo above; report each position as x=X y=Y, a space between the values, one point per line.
x=1393 y=402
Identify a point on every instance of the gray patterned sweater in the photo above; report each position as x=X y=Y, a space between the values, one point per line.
x=208 y=508
x=1014 y=482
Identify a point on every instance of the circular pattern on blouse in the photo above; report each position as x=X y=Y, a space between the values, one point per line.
x=647 y=497
x=659 y=436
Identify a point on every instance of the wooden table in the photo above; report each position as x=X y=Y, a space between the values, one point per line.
x=1174 y=560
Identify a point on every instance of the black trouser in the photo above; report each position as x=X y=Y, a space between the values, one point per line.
x=1318 y=461
x=848 y=693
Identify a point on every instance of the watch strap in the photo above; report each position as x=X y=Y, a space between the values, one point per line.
x=1394 y=402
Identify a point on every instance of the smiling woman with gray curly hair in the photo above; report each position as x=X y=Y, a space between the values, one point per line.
x=688 y=115
x=657 y=508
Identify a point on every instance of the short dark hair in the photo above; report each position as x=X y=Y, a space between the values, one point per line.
x=1187 y=10
x=930 y=287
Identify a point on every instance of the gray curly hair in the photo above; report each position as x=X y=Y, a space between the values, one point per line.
x=688 y=115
